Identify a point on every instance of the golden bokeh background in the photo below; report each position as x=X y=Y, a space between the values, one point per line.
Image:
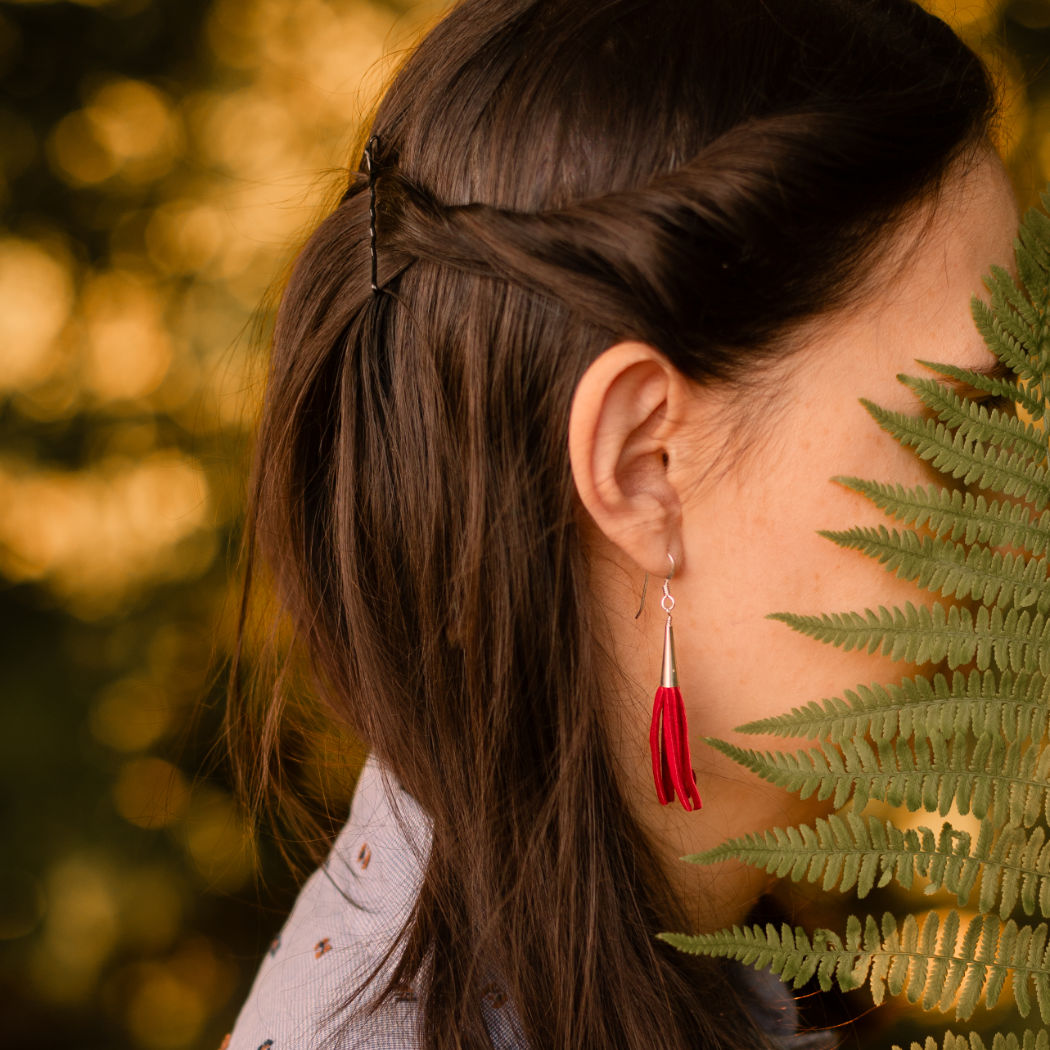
x=159 y=162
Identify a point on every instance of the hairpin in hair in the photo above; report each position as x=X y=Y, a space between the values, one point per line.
x=373 y=145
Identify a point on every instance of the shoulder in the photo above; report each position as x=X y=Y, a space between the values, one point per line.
x=345 y=920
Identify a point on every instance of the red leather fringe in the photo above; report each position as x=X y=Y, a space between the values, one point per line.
x=669 y=743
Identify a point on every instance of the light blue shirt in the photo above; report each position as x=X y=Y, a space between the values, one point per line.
x=347 y=916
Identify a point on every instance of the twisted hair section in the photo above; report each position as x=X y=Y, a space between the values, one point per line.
x=678 y=261
x=553 y=177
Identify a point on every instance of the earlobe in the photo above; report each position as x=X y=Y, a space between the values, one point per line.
x=621 y=427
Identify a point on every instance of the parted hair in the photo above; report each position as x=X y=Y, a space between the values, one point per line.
x=553 y=176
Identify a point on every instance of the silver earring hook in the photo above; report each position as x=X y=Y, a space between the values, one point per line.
x=668 y=597
x=667 y=601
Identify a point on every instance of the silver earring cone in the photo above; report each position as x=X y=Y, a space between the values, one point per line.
x=669 y=670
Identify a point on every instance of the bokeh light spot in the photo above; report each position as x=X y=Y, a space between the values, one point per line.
x=80 y=929
x=164 y=1011
x=131 y=715
x=153 y=902
x=251 y=133
x=217 y=839
x=127 y=127
x=36 y=296
x=965 y=16
x=128 y=346
x=164 y=1002
x=184 y=236
x=1011 y=130
x=76 y=154
x=150 y=792
x=135 y=122
x=97 y=533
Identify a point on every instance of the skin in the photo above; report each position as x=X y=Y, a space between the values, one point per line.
x=659 y=466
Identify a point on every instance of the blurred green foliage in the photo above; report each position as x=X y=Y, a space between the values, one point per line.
x=159 y=161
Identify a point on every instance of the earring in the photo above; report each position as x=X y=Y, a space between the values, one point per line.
x=668 y=733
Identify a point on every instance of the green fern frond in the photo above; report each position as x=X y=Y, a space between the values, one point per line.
x=850 y=852
x=856 y=853
x=938 y=964
x=1009 y=336
x=959 y=456
x=1008 y=783
x=1015 y=706
x=955 y=570
x=1011 y=303
x=1033 y=268
x=1034 y=235
x=975 y=741
x=976 y=421
x=1016 y=639
x=1031 y=259
x=1011 y=325
x=956 y=515
x=1015 y=870
x=1007 y=390
x=1024 y=304
x=1028 y=1040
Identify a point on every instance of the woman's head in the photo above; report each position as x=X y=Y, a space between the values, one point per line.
x=553 y=179
x=740 y=485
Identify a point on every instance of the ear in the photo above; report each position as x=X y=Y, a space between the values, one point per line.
x=625 y=417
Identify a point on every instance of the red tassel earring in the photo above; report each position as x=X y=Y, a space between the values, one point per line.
x=669 y=733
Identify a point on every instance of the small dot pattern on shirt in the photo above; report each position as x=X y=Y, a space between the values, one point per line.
x=346 y=917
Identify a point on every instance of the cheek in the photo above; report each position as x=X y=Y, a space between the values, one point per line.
x=763 y=554
x=812 y=573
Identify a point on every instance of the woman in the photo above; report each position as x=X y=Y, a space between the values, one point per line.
x=598 y=303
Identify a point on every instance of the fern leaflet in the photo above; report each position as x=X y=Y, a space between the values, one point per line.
x=1028 y=1040
x=940 y=964
x=850 y=852
x=1005 y=782
x=959 y=515
x=1015 y=639
x=977 y=422
x=953 y=452
x=1004 y=389
x=955 y=570
x=1015 y=706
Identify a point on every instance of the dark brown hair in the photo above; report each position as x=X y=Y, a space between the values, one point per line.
x=553 y=176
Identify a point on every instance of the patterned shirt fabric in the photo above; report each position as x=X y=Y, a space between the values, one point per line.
x=347 y=916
